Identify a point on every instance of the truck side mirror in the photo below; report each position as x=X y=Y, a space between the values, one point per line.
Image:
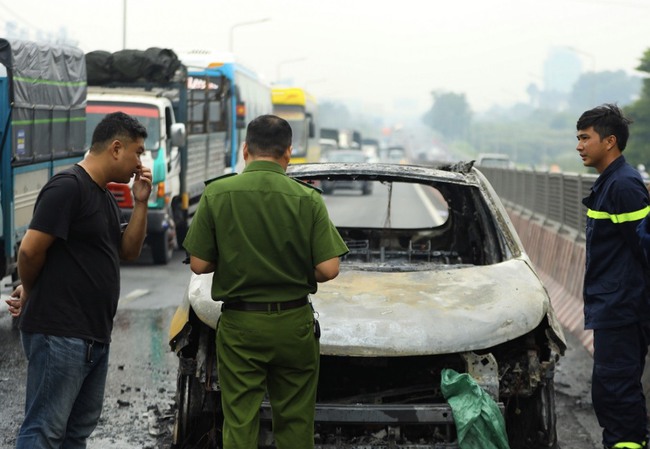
x=178 y=134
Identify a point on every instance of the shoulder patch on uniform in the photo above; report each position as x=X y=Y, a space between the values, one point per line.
x=227 y=175
x=307 y=184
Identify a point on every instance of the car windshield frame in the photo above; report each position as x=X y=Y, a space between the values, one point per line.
x=470 y=219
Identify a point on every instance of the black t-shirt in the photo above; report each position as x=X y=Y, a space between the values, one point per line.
x=77 y=291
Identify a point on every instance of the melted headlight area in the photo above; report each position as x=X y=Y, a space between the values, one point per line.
x=396 y=402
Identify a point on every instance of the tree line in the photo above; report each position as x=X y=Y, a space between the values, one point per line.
x=539 y=134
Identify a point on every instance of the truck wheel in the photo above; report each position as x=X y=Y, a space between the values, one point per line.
x=162 y=246
x=180 y=220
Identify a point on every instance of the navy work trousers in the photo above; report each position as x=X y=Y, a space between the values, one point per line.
x=616 y=391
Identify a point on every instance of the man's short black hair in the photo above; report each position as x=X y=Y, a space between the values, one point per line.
x=117 y=125
x=269 y=136
x=607 y=120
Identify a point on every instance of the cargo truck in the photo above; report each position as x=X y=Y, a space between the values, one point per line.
x=345 y=138
x=42 y=130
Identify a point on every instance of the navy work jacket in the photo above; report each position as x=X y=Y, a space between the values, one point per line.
x=617 y=278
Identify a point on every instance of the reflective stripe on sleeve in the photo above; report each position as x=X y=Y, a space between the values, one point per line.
x=628 y=445
x=619 y=218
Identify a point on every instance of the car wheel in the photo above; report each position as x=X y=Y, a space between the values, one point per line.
x=162 y=246
x=197 y=415
x=531 y=422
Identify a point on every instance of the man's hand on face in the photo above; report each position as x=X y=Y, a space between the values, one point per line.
x=142 y=185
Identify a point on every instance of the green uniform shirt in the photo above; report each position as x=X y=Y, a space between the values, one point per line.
x=266 y=232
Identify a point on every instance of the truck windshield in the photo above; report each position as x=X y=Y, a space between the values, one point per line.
x=148 y=115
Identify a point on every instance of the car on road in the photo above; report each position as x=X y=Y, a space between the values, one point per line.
x=396 y=155
x=370 y=148
x=436 y=279
x=328 y=186
x=327 y=145
x=496 y=160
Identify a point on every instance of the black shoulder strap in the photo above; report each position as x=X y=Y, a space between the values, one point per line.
x=308 y=184
x=228 y=175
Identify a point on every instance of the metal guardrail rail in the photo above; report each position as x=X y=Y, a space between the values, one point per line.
x=550 y=196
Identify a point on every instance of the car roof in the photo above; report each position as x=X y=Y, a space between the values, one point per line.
x=500 y=156
x=459 y=173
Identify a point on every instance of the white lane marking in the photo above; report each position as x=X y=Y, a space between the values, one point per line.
x=134 y=294
x=437 y=218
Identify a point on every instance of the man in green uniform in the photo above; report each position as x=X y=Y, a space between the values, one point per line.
x=269 y=241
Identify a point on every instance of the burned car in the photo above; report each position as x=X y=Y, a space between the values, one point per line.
x=436 y=278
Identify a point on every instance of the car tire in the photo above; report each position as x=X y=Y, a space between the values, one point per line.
x=367 y=188
x=531 y=422
x=196 y=415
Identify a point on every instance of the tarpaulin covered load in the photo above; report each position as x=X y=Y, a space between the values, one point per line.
x=48 y=91
x=156 y=65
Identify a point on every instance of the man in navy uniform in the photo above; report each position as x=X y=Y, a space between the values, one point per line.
x=617 y=303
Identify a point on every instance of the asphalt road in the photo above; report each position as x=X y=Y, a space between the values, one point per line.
x=138 y=409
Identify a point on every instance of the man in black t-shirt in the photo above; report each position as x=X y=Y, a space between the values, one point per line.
x=69 y=266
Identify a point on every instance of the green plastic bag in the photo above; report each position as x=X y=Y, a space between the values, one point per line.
x=479 y=422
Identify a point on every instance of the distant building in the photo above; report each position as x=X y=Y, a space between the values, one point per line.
x=562 y=69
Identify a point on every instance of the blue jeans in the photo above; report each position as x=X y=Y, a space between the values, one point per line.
x=65 y=391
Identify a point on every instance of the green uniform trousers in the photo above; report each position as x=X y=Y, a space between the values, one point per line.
x=274 y=352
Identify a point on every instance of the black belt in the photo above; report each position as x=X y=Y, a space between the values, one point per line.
x=264 y=306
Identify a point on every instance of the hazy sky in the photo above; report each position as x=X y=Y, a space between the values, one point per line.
x=377 y=54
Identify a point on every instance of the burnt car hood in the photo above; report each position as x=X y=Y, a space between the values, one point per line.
x=378 y=313
x=366 y=313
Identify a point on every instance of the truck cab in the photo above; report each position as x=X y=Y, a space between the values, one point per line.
x=195 y=111
x=162 y=155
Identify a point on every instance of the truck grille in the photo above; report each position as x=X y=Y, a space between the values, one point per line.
x=122 y=193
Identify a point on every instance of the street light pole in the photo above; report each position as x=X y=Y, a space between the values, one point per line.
x=124 y=25
x=287 y=61
x=232 y=29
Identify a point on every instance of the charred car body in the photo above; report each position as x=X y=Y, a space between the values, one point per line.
x=436 y=278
